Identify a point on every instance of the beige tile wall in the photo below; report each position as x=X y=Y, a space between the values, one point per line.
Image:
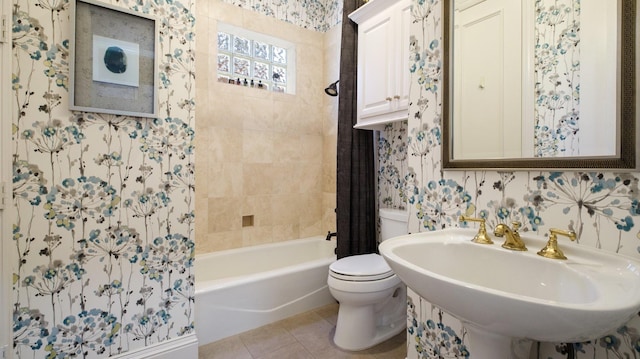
x=265 y=154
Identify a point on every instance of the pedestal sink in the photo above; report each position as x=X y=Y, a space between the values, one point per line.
x=504 y=297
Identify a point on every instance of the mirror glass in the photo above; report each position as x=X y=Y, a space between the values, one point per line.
x=539 y=84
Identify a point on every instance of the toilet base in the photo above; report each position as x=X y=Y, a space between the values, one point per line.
x=360 y=327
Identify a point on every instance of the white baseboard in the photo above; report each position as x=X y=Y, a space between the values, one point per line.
x=185 y=347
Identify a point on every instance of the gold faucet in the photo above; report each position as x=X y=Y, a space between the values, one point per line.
x=551 y=250
x=482 y=237
x=512 y=238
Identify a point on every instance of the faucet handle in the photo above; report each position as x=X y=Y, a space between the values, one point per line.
x=551 y=250
x=515 y=225
x=481 y=237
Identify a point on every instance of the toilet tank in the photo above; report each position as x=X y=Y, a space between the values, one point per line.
x=393 y=223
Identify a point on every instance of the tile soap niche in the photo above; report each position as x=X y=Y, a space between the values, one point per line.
x=247 y=221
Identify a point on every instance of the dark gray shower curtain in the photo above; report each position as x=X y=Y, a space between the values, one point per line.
x=356 y=182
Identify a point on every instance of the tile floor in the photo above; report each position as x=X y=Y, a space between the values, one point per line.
x=304 y=336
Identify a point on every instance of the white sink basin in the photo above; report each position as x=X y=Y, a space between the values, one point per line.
x=518 y=294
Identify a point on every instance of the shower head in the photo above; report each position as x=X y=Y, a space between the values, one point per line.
x=332 y=90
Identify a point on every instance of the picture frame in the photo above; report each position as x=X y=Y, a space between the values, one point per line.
x=114 y=62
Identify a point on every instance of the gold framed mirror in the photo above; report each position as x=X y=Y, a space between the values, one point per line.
x=624 y=158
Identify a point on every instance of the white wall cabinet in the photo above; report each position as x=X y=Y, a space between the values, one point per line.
x=383 y=62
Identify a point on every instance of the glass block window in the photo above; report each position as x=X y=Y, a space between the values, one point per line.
x=279 y=55
x=224 y=41
x=241 y=67
x=279 y=74
x=261 y=70
x=241 y=45
x=261 y=50
x=224 y=63
x=248 y=58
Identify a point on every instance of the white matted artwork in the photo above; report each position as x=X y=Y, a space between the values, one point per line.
x=114 y=64
x=116 y=61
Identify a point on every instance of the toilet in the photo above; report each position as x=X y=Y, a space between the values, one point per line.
x=373 y=304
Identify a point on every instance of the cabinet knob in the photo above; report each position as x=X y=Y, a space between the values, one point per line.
x=397 y=97
x=388 y=99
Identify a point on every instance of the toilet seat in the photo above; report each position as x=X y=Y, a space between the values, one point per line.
x=361 y=268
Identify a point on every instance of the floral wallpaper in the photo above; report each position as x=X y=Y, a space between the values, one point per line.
x=392 y=164
x=433 y=337
x=103 y=244
x=602 y=207
x=557 y=78
x=318 y=15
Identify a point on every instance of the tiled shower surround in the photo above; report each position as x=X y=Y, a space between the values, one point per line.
x=602 y=207
x=267 y=155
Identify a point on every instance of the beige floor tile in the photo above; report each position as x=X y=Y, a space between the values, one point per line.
x=318 y=344
x=311 y=330
x=267 y=339
x=306 y=323
x=337 y=353
x=305 y=336
x=329 y=313
x=396 y=353
x=292 y=351
x=393 y=348
x=229 y=348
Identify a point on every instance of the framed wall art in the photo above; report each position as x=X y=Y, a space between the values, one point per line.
x=113 y=60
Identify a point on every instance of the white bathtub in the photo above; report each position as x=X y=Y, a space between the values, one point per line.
x=245 y=288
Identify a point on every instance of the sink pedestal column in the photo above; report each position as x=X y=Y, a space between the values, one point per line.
x=484 y=344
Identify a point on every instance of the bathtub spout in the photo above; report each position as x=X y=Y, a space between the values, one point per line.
x=330 y=234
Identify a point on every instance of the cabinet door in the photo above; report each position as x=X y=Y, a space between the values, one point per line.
x=403 y=17
x=376 y=66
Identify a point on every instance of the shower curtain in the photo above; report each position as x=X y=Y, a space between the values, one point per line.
x=356 y=181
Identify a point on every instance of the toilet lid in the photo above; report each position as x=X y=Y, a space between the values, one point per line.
x=362 y=267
